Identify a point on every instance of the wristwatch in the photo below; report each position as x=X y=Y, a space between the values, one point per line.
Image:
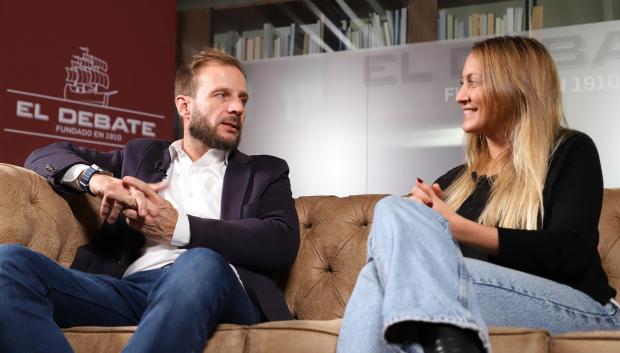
x=84 y=179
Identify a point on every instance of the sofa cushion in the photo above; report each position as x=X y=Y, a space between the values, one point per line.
x=518 y=340
x=299 y=336
x=95 y=339
x=591 y=342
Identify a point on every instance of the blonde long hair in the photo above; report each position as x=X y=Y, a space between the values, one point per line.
x=521 y=86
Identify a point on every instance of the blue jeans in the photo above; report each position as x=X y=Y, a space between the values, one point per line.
x=416 y=272
x=176 y=308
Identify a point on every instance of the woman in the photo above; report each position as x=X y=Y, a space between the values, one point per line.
x=526 y=204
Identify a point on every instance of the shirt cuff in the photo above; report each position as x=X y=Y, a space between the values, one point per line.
x=181 y=235
x=72 y=174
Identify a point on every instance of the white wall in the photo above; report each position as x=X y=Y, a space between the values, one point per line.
x=372 y=121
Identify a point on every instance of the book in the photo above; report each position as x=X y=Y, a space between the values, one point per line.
x=474 y=24
x=283 y=33
x=267 y=41
x=397 y=19
x=442 y=24
x=378 y=39
x=305 y=49
x=296 y=46
x=389 y=18
x=291 y=40
x=491 y=23
x=403 y=26
x=240 y=49
x=386 y=33
x=519 y=25
x=537 y=17
x=510 y=20
x=500 y=25
x=365 y=35
x=258 y=43
x=277 y=47
x=460 y=29
x=356 y=38
x=249 y=48
x=311 y=37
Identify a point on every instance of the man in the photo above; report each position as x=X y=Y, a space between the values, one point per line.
x=206 y=245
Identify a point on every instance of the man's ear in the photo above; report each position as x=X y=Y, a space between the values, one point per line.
x=183 y=104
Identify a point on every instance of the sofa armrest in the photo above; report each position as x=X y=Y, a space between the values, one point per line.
x=33 y=215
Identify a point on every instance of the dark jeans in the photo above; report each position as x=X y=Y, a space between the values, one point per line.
x=176 y=308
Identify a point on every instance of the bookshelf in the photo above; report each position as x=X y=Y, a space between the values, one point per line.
x=463 y=19
x=277 y=28
x=299 y=27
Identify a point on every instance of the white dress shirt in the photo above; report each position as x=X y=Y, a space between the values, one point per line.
x=194 y=188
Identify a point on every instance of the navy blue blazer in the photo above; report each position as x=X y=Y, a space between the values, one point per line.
x=258 y=229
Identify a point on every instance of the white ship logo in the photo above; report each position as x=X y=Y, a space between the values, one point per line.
x=87 y=79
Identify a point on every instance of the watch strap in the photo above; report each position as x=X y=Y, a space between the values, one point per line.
x=84 y=179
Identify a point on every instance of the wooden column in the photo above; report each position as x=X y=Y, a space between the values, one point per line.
x=421 y=21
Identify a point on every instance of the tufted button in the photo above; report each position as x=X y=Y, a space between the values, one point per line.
x=329 y=269
x=307 y=225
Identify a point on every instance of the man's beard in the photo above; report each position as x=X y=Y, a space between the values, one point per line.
x=200 y=129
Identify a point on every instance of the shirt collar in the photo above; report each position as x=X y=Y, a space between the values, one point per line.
x=211 y=156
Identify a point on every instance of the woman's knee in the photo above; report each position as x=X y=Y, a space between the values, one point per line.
x=387 y=205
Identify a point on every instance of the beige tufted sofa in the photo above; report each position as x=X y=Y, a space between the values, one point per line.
x=333 y=246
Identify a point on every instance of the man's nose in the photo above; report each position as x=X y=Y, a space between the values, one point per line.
x=236 y=106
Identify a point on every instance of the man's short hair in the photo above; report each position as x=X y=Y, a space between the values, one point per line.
x=185 y=80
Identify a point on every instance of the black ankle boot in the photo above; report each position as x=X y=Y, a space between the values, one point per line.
x=442 y=338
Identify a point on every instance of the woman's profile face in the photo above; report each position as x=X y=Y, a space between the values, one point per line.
x=471 y=98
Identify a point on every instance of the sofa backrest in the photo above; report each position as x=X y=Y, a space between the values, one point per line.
x=332 y=251
x=609 y=239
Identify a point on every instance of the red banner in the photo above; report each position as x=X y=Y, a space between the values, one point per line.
x=96 y=73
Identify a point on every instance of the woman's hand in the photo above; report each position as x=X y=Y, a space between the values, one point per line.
x=431 y=196
x=463 y=230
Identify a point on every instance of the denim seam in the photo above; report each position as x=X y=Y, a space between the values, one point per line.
x=529 y=295
x=89 y=302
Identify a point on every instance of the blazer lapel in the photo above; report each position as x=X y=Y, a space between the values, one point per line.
x=156 y=164
x=235 y=186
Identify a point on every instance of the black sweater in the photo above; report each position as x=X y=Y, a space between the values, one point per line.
x=564 y=249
